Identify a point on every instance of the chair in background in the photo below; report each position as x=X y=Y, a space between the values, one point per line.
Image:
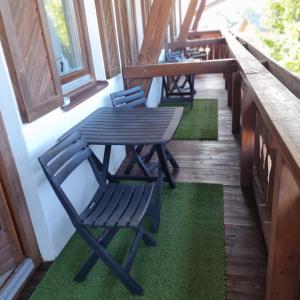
x=134 y=97
x=174 y=90
x=112 y=208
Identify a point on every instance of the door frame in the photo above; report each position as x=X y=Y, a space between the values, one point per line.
x=16 y=201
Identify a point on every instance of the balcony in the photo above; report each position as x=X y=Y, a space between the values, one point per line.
x=255 y=156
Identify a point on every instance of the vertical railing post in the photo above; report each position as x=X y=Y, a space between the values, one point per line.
x=284 y=252
x=236 y=102
x=247 y=137
x=229 y=89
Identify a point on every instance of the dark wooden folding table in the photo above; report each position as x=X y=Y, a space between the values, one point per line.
x=132 y=126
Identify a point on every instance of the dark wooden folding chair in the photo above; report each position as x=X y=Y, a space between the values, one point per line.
x=134 y=97
x=172 y=88
x=113 y=207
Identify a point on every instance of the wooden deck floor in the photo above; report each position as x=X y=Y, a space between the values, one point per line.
x=218 y=162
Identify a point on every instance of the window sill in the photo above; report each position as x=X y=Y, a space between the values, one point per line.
x=83 y=93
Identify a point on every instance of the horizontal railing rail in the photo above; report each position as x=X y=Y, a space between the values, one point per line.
x=180 y=68
x=290 y=80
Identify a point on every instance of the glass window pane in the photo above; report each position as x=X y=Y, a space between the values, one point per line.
x=64 y=35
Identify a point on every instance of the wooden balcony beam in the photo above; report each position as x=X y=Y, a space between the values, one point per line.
x=185 y=27
x=180 y=68
x=198 y=14
x=158 y=21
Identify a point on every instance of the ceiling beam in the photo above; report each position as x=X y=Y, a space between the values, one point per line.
x=190 y=13
x=199 y=14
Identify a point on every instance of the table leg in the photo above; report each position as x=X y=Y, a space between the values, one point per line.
x=139 y=161
x=132 y=161
x=161 y=152
x=171 y=159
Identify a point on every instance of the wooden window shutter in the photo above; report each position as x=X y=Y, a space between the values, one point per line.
x=107 y=30
x=29 y=57
x=126 y=32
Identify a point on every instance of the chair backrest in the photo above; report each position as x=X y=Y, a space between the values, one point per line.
x=130 y=98
x=61 y=160
x=173 y=56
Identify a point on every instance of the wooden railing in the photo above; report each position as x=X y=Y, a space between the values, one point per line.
x=266 y=112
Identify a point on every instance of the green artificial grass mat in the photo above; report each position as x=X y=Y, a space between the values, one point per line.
x=187 y=263
x=199 y=122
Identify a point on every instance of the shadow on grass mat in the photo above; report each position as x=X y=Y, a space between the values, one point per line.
x=199 y=122
x=187 y=263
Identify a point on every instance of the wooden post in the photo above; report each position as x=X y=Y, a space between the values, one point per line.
x=199 y=14
x=229 y=89
x=158 y=21
x=185 y=27
x=284 y=253
x=247 y=138
x=236 y=102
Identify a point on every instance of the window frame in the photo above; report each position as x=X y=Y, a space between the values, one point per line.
x=86 y=53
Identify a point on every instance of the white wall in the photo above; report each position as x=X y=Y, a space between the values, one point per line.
x=28 y=141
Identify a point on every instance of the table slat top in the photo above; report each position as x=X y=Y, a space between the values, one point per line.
x=129 y=126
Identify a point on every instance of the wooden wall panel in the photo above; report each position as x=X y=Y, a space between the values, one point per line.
x=108 y=36
x=123 y=32
x=33 y=73
x=126 y=32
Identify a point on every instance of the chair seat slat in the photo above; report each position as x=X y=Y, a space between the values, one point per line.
x=93 y=204
x=113 y=220
x=111 y=207
x=90 y=220
x=123 y=222
x=144 y=202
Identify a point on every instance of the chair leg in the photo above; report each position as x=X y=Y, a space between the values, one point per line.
x=104 y=240
x=157 y=206
x=140 y=234
x=137 y=158
x=160 y=149
x=109 y=261
x=87 y=267
x=149 y=241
